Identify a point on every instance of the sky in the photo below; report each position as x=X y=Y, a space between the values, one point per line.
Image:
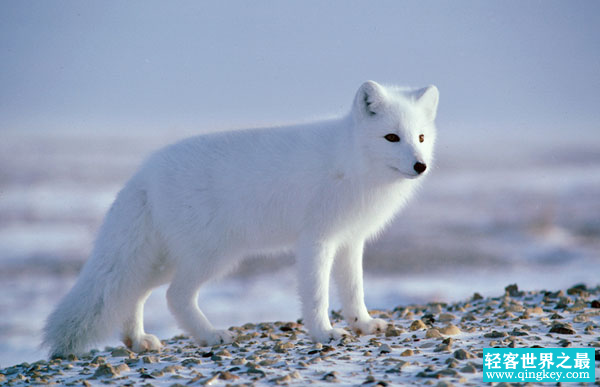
x=98 y=65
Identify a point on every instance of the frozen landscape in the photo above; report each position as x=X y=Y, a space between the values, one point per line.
x=423 y=344
x=481 y=221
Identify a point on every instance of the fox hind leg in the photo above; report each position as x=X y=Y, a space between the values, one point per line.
x=182 y=298
x=133 y=335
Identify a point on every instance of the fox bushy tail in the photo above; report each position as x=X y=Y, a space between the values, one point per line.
x=108 y=287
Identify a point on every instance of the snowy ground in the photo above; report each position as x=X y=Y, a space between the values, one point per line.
x=486 y=217
x=422 y=344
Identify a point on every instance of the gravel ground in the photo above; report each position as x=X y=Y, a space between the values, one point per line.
x=433 y=344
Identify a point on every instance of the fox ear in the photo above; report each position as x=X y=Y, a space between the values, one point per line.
x=369 y=99
x=428 y=98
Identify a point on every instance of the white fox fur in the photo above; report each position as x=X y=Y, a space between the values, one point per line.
x=197 y=207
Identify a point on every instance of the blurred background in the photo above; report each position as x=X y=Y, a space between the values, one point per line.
x=89 y=89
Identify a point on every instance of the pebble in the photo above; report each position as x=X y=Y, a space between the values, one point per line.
x=433 y=333
x=469 y=369
x=121 y=352
x=444 y=347
x=446 y=317
x=562 y=328
x=495 y=334
x=416 y=325
x=330 y=377
x=462 y=354
x=150 y=359
x=450 y=330
x=105 y=370
x=392 y=331
x=282 y=347
x=190 y=362
x=513 y=290
x=535 y=310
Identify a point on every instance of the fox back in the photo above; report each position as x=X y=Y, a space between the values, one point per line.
x=262 y=188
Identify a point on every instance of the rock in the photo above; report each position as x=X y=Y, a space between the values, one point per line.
x=407 y=352
x=462 y=354
x=282 y=347
x=562 y=328
x=447 y=372
x=516 y=332
x=506 y=316
x=121 y=352
x=450 y=330
x=535 y=310
x=190 y=362
x=578 y=305
x=476 y=297
x=267 y=362
x=392 y=331
x=105 y=371
x=595 y=304
x=285 y=379
x=238 y=361
x=172 y=368
x=443 y=347
x=226 y=375
x=433 y=334
x=224 y=352
x=513 y=290
x=579 y=289
x=428 y=319
x=469 y=368
x=564 y=343
x=446 y=317
x=435 y=308
x=385 y=349
x=331 y=377
x=255 y=370
x=98 y=360
x=150 y=359
x=514 y=308
x=495 y=335
x=416 y=325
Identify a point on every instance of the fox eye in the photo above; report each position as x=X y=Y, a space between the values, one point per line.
x=421 y=137
x=392 y=137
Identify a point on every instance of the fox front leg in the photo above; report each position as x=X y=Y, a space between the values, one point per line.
x=348 y=275
x=314 y=262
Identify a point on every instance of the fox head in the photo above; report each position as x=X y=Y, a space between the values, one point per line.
x=395 y=129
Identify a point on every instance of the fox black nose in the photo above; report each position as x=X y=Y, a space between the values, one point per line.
x=420 y=167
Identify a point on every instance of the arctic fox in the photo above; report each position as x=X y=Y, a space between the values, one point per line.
x=197 y=207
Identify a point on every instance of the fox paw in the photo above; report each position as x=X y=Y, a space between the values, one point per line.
x=145 y=342
x=215 y=337
x=327 y=335
x=370 y=326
